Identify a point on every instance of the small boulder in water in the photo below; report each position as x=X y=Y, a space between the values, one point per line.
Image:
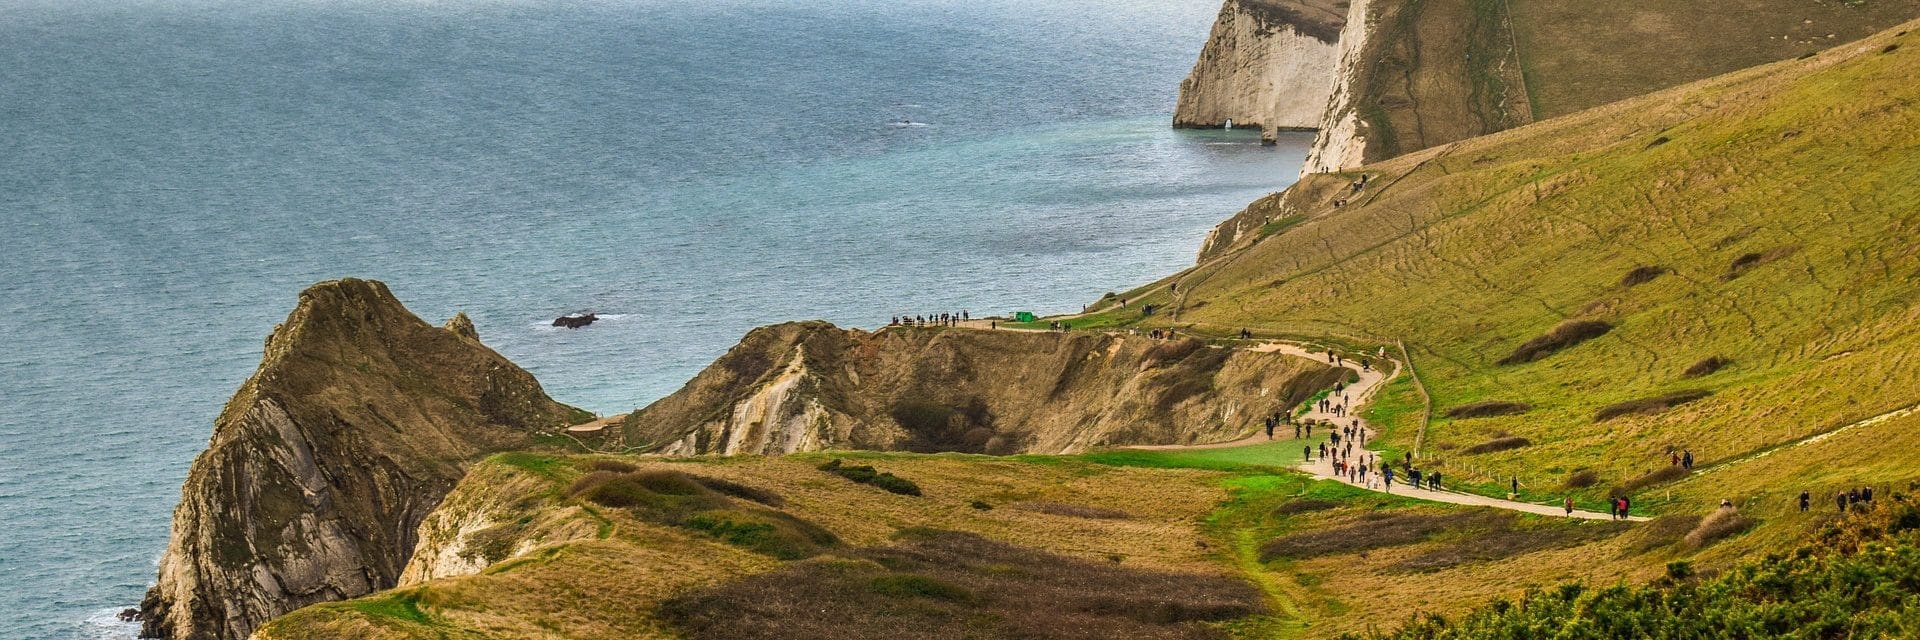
x=575 y=321
x=128 y=615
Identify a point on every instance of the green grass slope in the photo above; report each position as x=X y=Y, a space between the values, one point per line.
x=1763 y=221
x=1439 y=71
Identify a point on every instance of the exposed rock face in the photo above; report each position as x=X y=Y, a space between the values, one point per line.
x=810 y=386
x=1268 y=64
x=1414 y=75
x=492 y=515
x=359 y=420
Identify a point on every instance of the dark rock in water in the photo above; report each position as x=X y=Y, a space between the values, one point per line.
x=129 y=614
x=575 y=321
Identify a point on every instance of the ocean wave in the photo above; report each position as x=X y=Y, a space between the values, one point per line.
x=105 y=624
x=907 y=123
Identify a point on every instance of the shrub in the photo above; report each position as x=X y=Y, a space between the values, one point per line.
x=615 y=466
x=1074 y=510
x=1642 y=275
x=1706 y=367
x=980 y=505
x=1648 y=406
x=1723 y=523
x=1562 y=336
x=867 y=475
x=1497 y=444
x=908 y=585
x=1582 y=479
x=1487 y=409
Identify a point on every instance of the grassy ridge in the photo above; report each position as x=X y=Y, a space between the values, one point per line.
x=1777 y=201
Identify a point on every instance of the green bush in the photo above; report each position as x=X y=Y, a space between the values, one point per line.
x=867 y=475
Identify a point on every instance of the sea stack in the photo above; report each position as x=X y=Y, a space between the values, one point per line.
x=1268 y=64
x=359 y=420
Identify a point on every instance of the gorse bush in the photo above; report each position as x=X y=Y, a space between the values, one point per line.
x=1860 y=578
x=867 y=475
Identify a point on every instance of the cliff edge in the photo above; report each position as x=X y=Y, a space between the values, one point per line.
x=359 y=420
x=811 y=386
x=1267 y=64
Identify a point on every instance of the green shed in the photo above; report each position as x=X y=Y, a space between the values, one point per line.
x=1023 y=316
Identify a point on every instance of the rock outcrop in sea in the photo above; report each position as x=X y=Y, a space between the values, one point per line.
x=810 y=385
x=359 y=420
x=1267 y=64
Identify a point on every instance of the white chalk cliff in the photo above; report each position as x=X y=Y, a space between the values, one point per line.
x=1268 y=64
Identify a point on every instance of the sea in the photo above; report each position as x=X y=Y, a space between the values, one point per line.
x=174 y=172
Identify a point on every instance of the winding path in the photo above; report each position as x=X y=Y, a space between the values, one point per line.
x=1357 y=395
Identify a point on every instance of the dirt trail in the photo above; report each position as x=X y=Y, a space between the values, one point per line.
x=1356 y=396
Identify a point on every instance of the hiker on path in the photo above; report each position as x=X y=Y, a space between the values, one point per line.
x=1296 y=431
x=1269 y=427
x=1434 y=481
x=1686 y=460
x=1866 y=495
x=1389 y=479
x=1806 y=500
x=1307 y=453
x=1568 y=503
x=1841 y=499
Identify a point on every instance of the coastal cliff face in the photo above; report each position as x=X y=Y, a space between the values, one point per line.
x=812 y=386
x=1413 y=75
x=360 y=418
x=1267 y=64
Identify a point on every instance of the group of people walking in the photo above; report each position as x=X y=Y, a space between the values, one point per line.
x=1847 y=500
x=931 y=320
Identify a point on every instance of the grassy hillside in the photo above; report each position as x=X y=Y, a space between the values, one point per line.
x=1134 y=544
x=1439 y=71
x=1855 y=580
x=1725 y=268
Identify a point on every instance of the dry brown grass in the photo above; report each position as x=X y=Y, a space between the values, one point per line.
x=1504 y=540
x=1488 y=409
x=1648 y=406
x=1374 y=531
x=1561 y=336
x=1723 y=523
x=1073 y=510
x=952 y=585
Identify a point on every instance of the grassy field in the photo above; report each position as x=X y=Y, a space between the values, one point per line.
x=1213 y=544
x=1762 y=220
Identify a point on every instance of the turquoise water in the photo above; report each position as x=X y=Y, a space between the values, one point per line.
x=173 y=173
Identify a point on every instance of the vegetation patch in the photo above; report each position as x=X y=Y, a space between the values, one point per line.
x=1855 y=579
x=1073 y=510
x=1723 y=523
x=688 y=501
x=1706 y=367
x=1642 y=275
x=1498 y=444
x=1373 y=531
x=1488 y=409
x=1663 y=531
x=1298 y=506
x=1582 y=479
x=1562 y=336
x=1648 y=406
x=1663 y=475
x=936 y=584
x=1506 y=538
x=867 y=475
